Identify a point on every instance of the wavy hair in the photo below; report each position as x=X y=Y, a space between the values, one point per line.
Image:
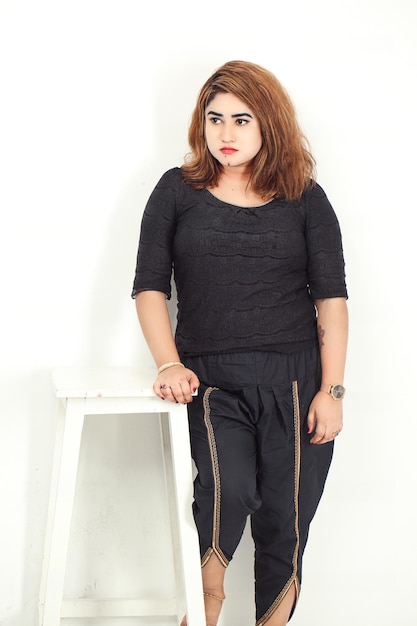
x=284 y=167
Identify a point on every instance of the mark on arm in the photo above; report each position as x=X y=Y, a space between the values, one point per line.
x=320 y=333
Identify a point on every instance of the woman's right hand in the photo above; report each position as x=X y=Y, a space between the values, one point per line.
x=176 y=384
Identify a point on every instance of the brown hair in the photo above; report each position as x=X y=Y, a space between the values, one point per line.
x=284 y=167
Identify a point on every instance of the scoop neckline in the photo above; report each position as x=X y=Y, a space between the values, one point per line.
x=237 y=206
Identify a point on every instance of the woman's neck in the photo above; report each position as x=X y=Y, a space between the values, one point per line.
x=234 y=178
x=233 y=188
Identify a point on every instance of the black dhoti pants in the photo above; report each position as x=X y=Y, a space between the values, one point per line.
x=249 y=441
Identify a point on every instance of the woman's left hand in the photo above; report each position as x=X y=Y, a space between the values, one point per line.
x=325 y=418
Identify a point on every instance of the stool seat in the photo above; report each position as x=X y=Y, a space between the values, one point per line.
x=117 y=391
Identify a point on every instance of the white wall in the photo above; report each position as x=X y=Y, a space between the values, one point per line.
x=95 y=101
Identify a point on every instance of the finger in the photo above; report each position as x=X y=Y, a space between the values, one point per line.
x=326 y=438
x=311 y=422
x=320 y=442
x=182 y=392
x=186 y=393
x=316 y=440
x=167 y=393
x=173 y=392
x=319 y=435
x=158 y=391
x=177 y=393
x=194 y=383
x=185 y=388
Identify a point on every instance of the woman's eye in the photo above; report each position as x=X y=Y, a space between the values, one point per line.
x=215 y=120
x=241 y=121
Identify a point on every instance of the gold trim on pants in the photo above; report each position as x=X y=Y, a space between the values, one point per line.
x=215 y=547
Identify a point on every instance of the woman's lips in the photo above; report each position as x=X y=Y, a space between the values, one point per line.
x=228 y=150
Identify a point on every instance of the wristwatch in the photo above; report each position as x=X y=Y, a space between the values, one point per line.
x=337 y=392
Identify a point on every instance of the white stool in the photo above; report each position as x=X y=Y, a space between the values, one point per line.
x=119 y=391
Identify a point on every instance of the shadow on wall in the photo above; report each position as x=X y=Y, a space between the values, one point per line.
x=113 y=331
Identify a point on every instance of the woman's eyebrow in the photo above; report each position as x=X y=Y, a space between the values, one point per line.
x=234 y=114
x=242 y=115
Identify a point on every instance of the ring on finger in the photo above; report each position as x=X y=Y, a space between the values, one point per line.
x=165 y=387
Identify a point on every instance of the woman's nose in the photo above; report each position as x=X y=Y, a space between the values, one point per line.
x=228 y=132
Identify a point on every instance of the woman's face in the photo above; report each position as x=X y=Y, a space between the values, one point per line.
x=232 y=131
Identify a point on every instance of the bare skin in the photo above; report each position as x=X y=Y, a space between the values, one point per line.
x=281 y=615
x=213 y=579
x=325 y=417
x=232 y=188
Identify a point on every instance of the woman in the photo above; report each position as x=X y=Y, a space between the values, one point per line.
x=261 y=330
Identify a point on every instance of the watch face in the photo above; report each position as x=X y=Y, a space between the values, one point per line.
x=338 y=392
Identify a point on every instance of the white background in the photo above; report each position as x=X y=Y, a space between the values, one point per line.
x=95 y=102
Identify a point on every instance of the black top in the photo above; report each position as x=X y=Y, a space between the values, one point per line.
x=246 y=277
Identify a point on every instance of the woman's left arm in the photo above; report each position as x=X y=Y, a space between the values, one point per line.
x=325 y=417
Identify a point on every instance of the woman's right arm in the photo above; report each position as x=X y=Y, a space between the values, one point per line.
x=154 y=320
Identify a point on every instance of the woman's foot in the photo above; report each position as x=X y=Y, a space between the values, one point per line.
x=212 y=606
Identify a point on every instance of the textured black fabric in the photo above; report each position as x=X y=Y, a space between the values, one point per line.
x=246 y=278
x=251 y=446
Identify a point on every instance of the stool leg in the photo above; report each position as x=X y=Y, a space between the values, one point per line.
x=64 y=475
x=178 y=473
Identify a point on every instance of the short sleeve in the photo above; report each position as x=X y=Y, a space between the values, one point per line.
x=155 y=250
x=326 y=265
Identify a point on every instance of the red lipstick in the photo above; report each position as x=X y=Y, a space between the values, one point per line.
x=228 y=150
